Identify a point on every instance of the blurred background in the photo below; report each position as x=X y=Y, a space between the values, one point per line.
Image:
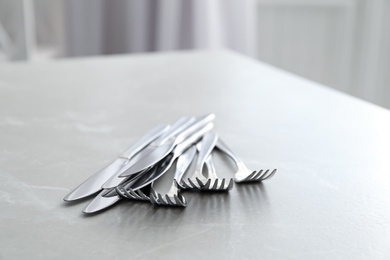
x=344 y=44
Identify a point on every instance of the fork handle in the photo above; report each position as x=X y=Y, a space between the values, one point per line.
x=211 y=168
x=209 y=141
x=224 y=148
x=196 y=125
x=176 y=128
x=183 y=162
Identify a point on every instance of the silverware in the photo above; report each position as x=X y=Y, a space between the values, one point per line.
x=109 y=197
x=132 y=175
x=176 y=128
x=173 y=197
x=94 y=183
x=134 y=195
x=206 y=146
x=104 y=200
x=157 y=153
x=214 y=183
x=243 y=174
x=167 y=162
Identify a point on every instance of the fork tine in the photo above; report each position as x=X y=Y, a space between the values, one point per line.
x=207 y=186
x=132 y=194
x=222 y=186
x=185 y=185
x=178 y=185
x=215 y=186
x=269 y=175
x=128 y=195
x=142 y=195
x=170 y=202
x=260 y=177
x=161 y=200
x=120 y=192
x=180 y=201
x=250 y=176
x=153 y=191
x=256 y=176
x=260 y=173
x=153 y=200
x=230 y=186
x=201 y=184
x=192 y=185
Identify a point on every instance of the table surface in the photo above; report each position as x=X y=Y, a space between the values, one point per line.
x=62 y=121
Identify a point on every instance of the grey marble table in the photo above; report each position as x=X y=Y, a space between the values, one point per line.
x=62 y=121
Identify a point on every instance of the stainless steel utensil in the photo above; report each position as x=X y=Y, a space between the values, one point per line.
x=94 y=183
x=214 y=183
x=198 y=180
x=243 y=174
x=104 y=200
x=173 y=197
x=176 y=128
x=135 y=195
x=160 y=152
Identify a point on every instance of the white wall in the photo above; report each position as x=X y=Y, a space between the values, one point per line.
x=340 y=43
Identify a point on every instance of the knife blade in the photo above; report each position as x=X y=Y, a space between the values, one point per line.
x=100 y=202
x=157 y=153
x=94 y=183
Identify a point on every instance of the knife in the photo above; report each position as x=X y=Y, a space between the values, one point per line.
x=157 y=153
x=94 y=183
x=103 y=200
x=176 y=128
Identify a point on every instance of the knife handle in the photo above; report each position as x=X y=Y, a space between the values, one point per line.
x=149 y=137
x=198 y=134
x=174 y=130
x=199 y=123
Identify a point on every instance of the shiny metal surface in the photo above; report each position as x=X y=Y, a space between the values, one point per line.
x=62 y=120
x=111 y=190
x=174 y=197
x=198 y=180
x=214 y=183
x=176 y=128
x=134 y=195
x=166 y=163
x=243 y=174
x=163 y=150
x=94 y=183
x=100 y=202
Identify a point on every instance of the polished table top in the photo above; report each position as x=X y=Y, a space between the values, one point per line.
x=62 y=121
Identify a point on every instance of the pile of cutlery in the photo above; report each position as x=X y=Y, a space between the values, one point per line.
x=133 y=173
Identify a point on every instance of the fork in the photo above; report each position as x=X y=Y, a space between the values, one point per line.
x=214 y=183
x=243 y=174
x=173 y=196
x=134 y=195
x=205 y=147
